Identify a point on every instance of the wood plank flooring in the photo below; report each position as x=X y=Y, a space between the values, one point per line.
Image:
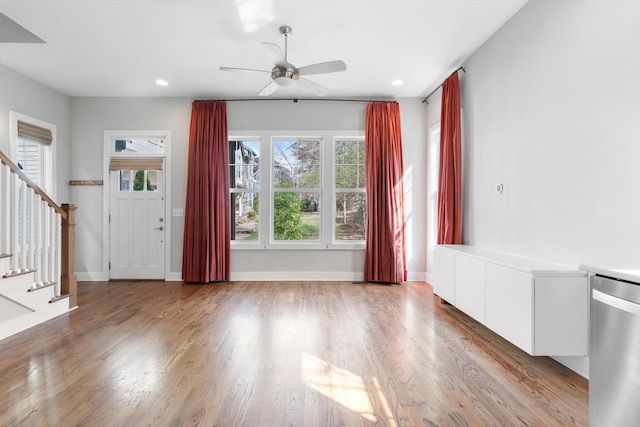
x=276 y=354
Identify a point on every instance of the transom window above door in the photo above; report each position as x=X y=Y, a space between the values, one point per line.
x=139 y=145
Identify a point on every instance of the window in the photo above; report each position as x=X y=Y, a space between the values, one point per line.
x=350 y=190
x=33 y=143
x=308 y=187
x=432 y=186
x=33 y=153
x=135 y=180
x=296 y=189
x=244 y=179
x=139 y=145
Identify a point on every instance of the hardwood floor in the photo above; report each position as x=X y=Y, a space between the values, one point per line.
x=276 y=354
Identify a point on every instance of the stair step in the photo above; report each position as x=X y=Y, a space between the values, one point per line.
x=18 y=273
x=38 y=286
x=59 y=297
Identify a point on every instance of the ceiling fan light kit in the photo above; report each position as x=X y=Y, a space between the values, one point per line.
x=285 y=74
x=284 y=77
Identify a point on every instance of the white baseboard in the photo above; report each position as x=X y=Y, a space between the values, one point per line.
x=416 y=276
x=92 y=276
x=578 y=364
x=174 y=276
x=429 y=278
x=99 y=276
x=287 y=276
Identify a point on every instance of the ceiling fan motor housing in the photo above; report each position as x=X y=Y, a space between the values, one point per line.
x=284 y=76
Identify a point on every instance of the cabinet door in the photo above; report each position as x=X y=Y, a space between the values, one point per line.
x=469 y=279
x=444 y=262
x=510 y=305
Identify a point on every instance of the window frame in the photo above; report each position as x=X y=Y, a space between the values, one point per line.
x=249 y=244
x=335 y=191
x=327 y=190
x=295 y=190
x=433 y=166
x=47 y=175
x=47 y=151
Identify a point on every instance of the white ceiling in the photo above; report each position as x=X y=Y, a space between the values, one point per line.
x=121 y=47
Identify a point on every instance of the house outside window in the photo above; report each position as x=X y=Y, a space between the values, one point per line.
x=244 y=178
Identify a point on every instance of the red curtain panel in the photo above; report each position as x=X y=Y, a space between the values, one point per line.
x=385 y=255
x=207 y=240
x=450 y=187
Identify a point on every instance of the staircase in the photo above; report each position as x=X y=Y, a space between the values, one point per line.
x=25 y=303
x=37 y=280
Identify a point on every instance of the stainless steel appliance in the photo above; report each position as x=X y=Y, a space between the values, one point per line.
x=614 y=356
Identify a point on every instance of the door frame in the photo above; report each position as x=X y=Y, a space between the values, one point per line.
x=109 y=152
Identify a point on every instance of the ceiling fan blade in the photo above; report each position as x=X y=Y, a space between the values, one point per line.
x=322 y=68
x=243 y=69
x=313 y=87
x=275 y=53
x=268 y=89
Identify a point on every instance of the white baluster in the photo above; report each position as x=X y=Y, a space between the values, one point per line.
x=39 y=241
x=5 y=212
x=23 y=226
x=58 y=254
x=45 y=244
x=12 y=210
x=31 y=197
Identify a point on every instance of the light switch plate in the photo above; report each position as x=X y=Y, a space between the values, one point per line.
x=178 y=212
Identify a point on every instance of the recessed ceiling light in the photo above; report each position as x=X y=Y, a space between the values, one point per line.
x=396 y=82
x=161 y=82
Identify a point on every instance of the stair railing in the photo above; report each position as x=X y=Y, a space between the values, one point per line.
x=37 y=232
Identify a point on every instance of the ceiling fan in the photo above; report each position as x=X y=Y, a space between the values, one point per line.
x=285 y=74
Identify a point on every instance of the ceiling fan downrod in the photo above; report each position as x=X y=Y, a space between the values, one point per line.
x=285 y=31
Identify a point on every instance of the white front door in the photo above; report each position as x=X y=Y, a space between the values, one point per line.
x=137 y=226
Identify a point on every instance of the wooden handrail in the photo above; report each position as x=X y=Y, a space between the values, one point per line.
x=44 y=196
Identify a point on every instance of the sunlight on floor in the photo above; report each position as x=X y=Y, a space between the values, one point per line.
x=344 y=387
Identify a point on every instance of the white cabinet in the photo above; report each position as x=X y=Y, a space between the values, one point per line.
x=444 y=275
x=539 y=306
x=470 y=287
x=509 y=302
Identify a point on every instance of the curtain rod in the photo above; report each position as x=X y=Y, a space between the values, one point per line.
x=300 y=99
x=440 y=85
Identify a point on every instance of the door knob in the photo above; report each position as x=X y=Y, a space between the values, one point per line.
x=159 y=228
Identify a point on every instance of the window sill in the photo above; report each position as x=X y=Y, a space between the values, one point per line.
x=297 y=247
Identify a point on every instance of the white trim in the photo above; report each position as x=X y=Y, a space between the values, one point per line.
x=578 y=364
x=429 y=278
x=110 y=135
x=174 y=276
x=286 y=276
x=416 y=276
x=92 y=276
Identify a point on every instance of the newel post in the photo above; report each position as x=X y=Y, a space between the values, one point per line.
x=68 y=280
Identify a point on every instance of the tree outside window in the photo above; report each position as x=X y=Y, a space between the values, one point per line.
x=296 y=195
x=350 y=190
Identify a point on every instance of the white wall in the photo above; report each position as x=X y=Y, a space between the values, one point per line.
x=551 y=108
x=23 y=95
x=91 y=116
